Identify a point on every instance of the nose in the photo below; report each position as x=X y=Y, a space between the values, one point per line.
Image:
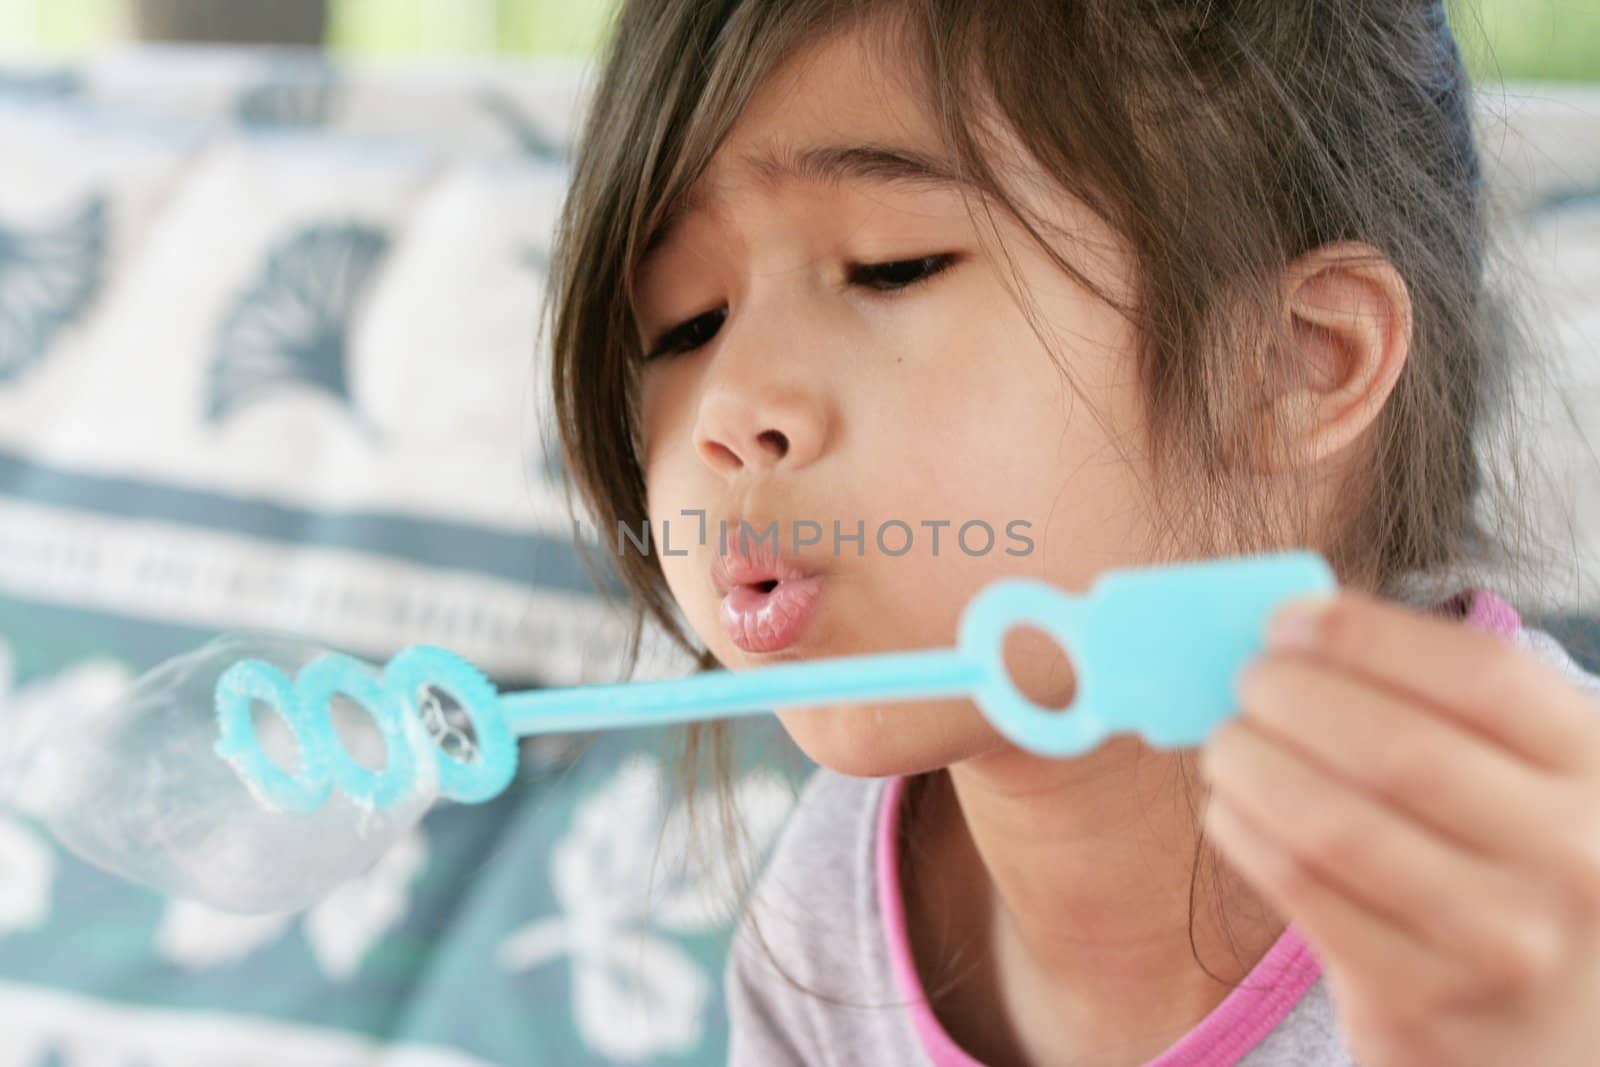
x=755 y=426
x=759 y=409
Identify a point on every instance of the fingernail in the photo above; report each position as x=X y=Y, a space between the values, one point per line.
x=1295 y=624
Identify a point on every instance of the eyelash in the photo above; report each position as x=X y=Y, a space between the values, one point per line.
x=672 y=344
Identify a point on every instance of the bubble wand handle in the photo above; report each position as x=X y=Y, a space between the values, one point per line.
x=717 y=694
x=1155 y=651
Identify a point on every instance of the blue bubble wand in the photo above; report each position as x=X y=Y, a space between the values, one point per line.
x=1156 y=652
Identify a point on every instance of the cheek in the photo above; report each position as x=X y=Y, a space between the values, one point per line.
x=653 y=415
x=674 y=536
x=669 y=467
x=671 y=481
x=669 y=400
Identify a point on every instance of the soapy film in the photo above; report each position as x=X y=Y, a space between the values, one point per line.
x=138 y=788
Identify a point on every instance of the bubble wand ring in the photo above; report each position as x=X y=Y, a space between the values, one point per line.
x=254 y=680
x=395 y=710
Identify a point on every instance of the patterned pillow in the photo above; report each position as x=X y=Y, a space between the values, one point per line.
x=501 y=110
x=314 y=368
x=285 y=380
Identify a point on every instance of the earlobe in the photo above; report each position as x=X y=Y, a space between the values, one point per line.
x=1348 y=314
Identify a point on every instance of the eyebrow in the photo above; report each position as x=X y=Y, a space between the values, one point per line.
x=822 y=164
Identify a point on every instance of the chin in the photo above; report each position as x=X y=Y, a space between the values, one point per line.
x=881 y=740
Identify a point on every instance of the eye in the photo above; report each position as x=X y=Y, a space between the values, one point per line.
x=690 y=335
x=901 y=274
x=879 y=277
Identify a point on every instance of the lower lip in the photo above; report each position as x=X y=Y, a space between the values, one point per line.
x=768 y=622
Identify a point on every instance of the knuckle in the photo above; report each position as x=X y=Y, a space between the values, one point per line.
x=1343 y=631
x=1399 y=771
x=1583 y=853
x=1523 y=954
x=1337 y=842
x=1260 y=685
x=1295 y=877
x=1272 y=689
x=1500 y=674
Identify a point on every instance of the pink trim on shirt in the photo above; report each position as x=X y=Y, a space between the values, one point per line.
x=1488 y=612
x=1235 y=1026
x=940 y=1046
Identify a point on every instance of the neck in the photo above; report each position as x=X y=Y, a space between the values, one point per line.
x=1074 y=881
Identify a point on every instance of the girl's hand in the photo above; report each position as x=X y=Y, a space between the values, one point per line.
x=1422 y=801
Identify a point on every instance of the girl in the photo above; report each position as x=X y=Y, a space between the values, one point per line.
x=1134 y=281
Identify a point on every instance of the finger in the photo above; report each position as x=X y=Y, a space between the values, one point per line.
x=1478 y=679
x=1344 y=934
x=1451 y=780
x=1461 y=907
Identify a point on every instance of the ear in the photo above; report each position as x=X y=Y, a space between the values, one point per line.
x=1348 y=313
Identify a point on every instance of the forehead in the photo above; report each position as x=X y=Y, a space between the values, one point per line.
x=844 y=111
x=763 y=171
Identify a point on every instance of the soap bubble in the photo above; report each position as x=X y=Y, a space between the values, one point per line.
x=139 y=787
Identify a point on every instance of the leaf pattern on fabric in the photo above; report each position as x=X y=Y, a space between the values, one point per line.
x=195 y=936
x=1587 y=197
x=49 y=278
x=28 y=864
x=701 y=897
x=340 y=929
x=346 y=925
x=27 y=875
x=56 y=83
x=290 y=329
x=614 y=877
x=529 y=139
x=31 y=711
x=290 y=96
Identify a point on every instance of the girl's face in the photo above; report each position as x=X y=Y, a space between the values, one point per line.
x=824 y=395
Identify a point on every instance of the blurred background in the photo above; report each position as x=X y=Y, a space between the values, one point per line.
x=1542 y=40
x=270 y=359
x=348 y=27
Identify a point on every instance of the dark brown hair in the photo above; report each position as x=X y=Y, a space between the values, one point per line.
x=1222 y=140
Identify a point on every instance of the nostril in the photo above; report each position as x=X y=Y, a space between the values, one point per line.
x=722 y=455
x=777 y=440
